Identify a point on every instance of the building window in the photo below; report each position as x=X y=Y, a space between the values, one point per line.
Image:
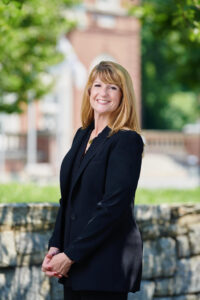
x=108 y=4
x=105 y=21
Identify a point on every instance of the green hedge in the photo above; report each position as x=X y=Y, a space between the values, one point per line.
x=18 y=193
x=158 y=196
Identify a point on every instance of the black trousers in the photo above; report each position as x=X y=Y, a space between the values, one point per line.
x=93 y=295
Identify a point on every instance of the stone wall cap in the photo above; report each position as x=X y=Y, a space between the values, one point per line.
x=31 y=204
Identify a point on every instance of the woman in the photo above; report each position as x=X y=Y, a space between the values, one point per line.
x=96 y=247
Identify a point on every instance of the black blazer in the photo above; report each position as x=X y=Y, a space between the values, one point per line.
x=103 y=237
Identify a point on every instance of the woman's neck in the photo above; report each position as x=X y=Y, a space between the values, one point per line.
x=99 y=125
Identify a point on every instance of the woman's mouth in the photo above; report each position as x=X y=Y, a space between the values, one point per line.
x=102 y=101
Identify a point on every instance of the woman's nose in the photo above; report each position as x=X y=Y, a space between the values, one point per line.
x=103 y=92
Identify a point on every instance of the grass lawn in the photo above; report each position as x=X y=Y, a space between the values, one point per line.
x=24 y=193
x=170 y=196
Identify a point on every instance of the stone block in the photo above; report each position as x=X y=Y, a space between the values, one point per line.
x=8 y=255
x=189 y=219
x=147 y=213
x=6 y=215
x=163 y=298
x=183 y=246
x=146 y=291
x=31 y=247
x=56 y=289
x=25 y=283
x=185 y=281
x=182 y=297
x=194 y=238
x=178 y=211
x=159 y=258
x=187 y=297
x=2 y=280
x=153 y=231
x=176 y=229
x=30 y=215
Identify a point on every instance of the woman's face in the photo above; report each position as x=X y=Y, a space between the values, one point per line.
x=104 y=98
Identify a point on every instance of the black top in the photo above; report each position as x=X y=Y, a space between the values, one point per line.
x=80 y=156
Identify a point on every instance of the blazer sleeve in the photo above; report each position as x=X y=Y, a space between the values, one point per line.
x=56 y=238
x=123 y=170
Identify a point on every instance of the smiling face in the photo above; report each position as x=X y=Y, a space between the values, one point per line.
x=104 y=98
x=109 y=98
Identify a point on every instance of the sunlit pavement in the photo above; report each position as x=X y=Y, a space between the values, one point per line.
x=162 y=171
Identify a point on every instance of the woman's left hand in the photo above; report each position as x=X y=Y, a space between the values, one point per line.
x=60 y=264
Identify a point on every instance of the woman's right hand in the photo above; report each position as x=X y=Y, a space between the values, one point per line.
x=45 y=265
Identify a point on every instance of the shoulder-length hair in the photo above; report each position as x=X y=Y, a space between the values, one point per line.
x=125 y=116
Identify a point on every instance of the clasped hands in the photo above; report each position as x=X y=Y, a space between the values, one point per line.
x=56 y=264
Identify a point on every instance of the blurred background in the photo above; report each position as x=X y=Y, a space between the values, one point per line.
x=47 y=50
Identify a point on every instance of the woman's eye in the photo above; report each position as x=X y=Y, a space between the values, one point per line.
x=113 y=87
x=97 y=85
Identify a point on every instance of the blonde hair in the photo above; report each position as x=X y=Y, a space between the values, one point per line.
x=125 y=116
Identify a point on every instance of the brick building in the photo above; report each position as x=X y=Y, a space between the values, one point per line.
x=106 y=32
x=36 y=141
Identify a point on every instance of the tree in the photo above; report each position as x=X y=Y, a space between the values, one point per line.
x=29 y=31
x=170 y=60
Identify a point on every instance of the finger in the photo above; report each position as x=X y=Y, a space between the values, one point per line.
x=44 y=266
x=58 y=275
x=45 y=269
x=49 y=274
x=46 y=260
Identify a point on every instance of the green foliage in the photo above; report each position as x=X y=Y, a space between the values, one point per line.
x=29 y=31
x=183 y=109
x=170 y=60
x=180 y=15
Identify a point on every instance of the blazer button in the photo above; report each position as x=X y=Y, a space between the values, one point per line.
x=73 y=216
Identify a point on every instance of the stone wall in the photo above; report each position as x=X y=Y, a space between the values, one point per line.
x=171 y=237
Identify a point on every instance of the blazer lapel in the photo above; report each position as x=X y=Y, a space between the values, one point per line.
x=94 y=148
x=68 y=160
